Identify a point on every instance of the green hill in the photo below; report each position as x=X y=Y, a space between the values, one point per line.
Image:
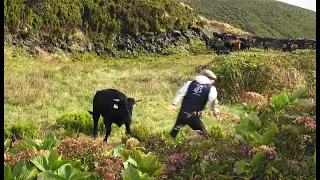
x=267 y=18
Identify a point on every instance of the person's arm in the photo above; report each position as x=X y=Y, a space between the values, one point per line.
x=181 y=93
x=212 y=99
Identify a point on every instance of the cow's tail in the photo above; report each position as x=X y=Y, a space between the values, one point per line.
x=95 y=117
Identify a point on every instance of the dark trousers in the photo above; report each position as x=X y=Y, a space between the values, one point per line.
x=185 y=119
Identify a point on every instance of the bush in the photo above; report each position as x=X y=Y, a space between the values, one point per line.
x=104 y=17
x=88 y=151
x=7 y=134
x=216 y=132
x=14 y=11
x=19 y=151
x=260 y=73
x=22 y=130
x=80 y=122
x=159 y=144
x=140 y=132
x=198 y=47
x=48 y=143
x=110 y=168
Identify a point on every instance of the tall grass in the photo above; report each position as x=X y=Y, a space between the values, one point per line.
x=41 y=91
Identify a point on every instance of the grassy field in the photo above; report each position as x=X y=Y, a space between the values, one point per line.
x=43 y=88
x=52 y=93
x=41 y=91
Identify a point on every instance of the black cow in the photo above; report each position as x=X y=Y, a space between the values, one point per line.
x=221 y=47
x=114 y=107
x=287 y=47
x=294 y=47
x=209 y=43
x=244 y=44
x=250 y=43
x=217 y=35
x=266 y=45
x=284 y=47
x=228 y=45
x=218 y=46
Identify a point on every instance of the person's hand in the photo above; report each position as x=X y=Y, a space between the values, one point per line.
x=172 y=107
x=216 y=114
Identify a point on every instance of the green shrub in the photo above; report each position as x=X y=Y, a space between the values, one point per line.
x=103 y=17
x=14 y=13
x=70 y=133
x=48 y=143
x=198 y=47
x=86 y=57
x=7 y=143
x=137 y=163
x=67 y=171
x=141 y=132
x=216 y=132
x=7 y=134
x=259 y=73
x=22 y=130
x=20 y=171
x=81 y=122
x=288 y=137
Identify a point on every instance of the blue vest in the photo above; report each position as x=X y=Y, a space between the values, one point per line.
x=196 y=97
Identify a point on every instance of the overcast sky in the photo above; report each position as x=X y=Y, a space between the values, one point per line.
x=307 y=4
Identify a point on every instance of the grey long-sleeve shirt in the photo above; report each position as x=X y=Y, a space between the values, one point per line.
x=212 y=97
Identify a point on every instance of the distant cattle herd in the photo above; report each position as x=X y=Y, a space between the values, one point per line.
x=226 y=43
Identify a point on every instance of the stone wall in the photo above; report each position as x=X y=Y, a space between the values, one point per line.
x=151 y=43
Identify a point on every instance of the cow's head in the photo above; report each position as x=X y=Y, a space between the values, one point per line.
x=130 y=103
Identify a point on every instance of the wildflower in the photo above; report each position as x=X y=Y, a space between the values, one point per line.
x=307 y=121
x=308 y=96
x=270 y=152
x=254 y=98
x=175 y=162
x=272 y=92
x=228 y=116
x=132 y=142
x=306 y=138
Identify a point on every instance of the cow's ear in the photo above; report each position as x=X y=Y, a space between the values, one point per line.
x=90 y=112
x=132 y=101
x=138 y=100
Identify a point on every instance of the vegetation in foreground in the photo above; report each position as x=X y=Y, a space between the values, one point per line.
x=270 y=136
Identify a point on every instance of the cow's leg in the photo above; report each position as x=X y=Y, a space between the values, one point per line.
x=107 y=124
x=128 y=131
x=95 y=117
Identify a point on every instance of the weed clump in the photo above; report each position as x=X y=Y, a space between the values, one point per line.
x=21 y=130
x=80 y=122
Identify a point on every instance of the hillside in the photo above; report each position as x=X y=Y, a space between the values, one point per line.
x=272 y=19
x=120 y=27
x=104 y=27
x=99 y=19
